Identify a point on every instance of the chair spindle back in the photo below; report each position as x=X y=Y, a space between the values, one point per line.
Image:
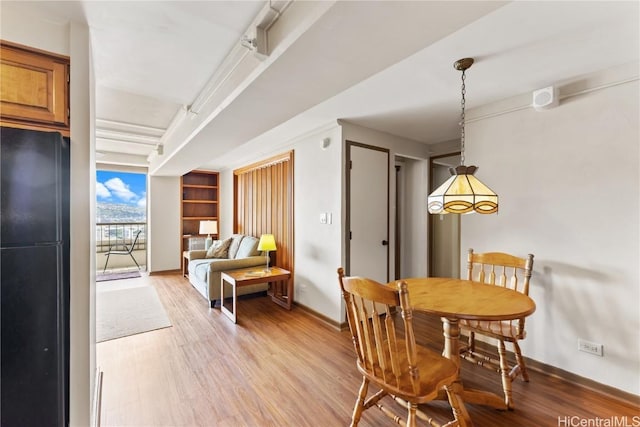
x=373 y=330
x=501 y=269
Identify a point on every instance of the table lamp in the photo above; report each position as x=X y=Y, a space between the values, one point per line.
x=208 y=228
x=267 y=243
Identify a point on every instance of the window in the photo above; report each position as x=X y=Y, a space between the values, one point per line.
x=121 y=208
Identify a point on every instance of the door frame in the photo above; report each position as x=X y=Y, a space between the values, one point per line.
x=399 y=202
x=347 y=239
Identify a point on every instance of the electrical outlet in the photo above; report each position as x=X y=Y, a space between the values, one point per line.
x=590 y=347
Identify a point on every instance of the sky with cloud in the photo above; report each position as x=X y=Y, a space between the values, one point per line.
x=121 y=188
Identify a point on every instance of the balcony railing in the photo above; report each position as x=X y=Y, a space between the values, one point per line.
x=118 y=235
x=112 y=234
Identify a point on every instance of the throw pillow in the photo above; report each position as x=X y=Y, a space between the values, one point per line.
x=248 y=247
x=235 y=243
x=219 y=249
x=213 y=244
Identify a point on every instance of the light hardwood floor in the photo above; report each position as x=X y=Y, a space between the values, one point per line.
x=286 y=368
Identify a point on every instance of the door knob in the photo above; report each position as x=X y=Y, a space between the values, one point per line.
x=385 y=242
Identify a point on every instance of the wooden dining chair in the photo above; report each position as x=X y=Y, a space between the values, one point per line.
x=499 y=269
x=388 y=356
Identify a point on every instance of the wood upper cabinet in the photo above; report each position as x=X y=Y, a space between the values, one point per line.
x=34 y=88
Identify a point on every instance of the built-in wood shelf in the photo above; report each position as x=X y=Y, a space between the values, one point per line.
x=199 y=203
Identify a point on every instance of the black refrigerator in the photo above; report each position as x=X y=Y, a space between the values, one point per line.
x=34 y=276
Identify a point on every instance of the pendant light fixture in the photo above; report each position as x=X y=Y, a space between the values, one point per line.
x=462 y=192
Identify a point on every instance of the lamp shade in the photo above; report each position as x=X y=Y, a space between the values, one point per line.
x=462 y=193
x=208 y=227
x=267 y=243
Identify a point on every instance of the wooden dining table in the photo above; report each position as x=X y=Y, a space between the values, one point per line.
x=455 y=299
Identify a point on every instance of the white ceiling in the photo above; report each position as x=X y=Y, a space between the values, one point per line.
x=386 y=65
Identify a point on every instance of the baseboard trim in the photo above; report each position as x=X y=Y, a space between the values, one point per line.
x=324 y=319
x=552 y=371
x=165 y=272
x=587 y=383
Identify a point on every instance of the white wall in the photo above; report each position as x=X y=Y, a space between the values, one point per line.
x=164 y=224
x=568 y=181
x=83 y=223
x=21 y=24
x=318 y=187
x=414 y=252
x=225 y=202
x=318 y=247
x=417 y=173
x=26 y=25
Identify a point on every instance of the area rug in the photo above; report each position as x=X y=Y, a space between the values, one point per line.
x=102 y=277
x=128 y=311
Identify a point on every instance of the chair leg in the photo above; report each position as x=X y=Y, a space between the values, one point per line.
x=134 y=260
x=520 y=360
x=504 y=372
x=359 y=407
x=411 y=418
x=105 y=264
x=461 y=417
x=472 y=341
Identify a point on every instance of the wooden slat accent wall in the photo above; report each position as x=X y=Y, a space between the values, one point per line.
x=263 y=204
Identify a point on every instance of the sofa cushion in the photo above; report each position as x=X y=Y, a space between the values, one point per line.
x=235 y=244
x=248 y=247
x=219 y=249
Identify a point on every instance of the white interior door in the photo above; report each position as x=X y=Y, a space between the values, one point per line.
x=369 y=212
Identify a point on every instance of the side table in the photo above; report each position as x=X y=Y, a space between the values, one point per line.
x=185 y=264
x=247 y=276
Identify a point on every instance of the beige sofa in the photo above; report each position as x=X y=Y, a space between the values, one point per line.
x=204 y=273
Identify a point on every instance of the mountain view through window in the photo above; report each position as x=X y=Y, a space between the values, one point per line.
x=121 y=197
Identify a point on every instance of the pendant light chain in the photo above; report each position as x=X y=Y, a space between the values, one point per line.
x=462 y=118
x=462 y=192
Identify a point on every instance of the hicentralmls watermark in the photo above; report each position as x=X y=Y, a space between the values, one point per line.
x=614 y=421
